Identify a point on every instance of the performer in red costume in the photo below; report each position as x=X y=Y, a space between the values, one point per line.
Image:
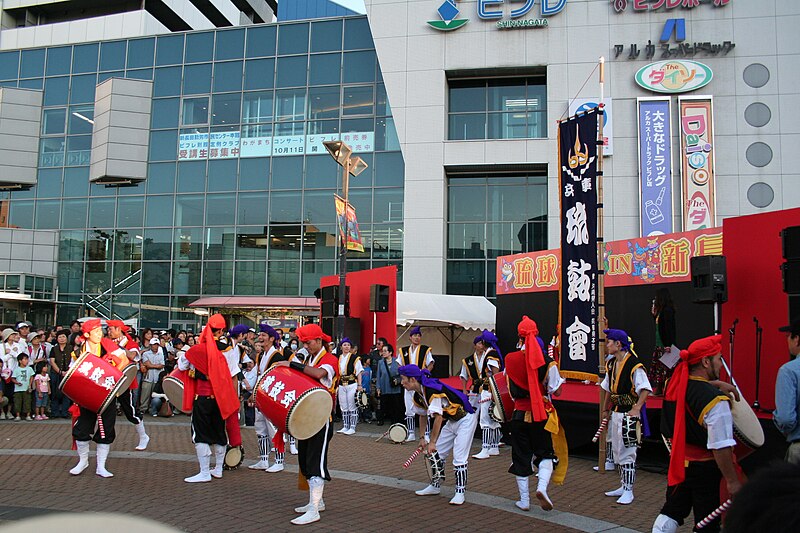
x=118 y=332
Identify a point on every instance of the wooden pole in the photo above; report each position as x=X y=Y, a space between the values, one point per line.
x=601 y=309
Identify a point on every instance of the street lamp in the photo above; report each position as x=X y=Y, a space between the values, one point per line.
x=354 y=165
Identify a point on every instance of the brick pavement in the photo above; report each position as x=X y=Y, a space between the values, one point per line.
x=44 y=448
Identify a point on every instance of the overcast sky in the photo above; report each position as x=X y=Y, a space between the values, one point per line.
x=354 y=5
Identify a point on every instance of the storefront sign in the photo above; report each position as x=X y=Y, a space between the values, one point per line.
x=528 y=272
x=217 y=145
x=359 y=141
x=579 y=105
x=697 y=162
x=674 y=76
x=676 y=27
x=577 y=158
x=655 y=5
x=492 y=10
x=655 y=166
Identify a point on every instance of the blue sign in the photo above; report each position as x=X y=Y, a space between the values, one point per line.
x=488 y=9
x=655 y=166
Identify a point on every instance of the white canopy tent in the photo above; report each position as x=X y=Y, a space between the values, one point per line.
x=450 y=315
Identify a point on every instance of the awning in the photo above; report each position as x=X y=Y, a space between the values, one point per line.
x=469 y=312
x=257 y=302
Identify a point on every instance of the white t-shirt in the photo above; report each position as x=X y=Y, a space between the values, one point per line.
x=719 y=423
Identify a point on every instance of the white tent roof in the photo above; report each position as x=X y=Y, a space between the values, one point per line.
x=468 y=312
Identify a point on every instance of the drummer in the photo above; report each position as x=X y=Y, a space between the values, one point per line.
x=414 y=354
x=233 y=353
x=627 y=386
x=484 y=362
x=702 y=442
x=454 y=422
x=89 y=424
x=209 y=396
x=313 y=457
x=350 y=370
x=117 y=333
x=265 y=430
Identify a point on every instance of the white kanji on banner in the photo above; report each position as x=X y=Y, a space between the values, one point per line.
x=578 y=336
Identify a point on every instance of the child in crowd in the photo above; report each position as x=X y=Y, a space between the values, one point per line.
x=42 y=387
x=22 y=378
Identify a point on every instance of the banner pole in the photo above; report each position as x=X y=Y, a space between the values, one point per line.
x=601 y=310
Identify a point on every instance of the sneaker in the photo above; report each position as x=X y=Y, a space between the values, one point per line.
x=2 y=416
x=38 y=417
x=28 y=418
x=45 y=417
x=17 y=419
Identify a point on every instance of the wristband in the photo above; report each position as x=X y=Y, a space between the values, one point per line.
x=297 y=366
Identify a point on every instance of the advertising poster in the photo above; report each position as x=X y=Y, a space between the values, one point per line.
x=348 y=225
x=655 y=166
x=697 y=162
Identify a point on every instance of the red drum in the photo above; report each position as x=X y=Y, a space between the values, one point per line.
x=502 y=406
x=124 y=365
x=297 y=404
x=173 y=388
x=93 y=383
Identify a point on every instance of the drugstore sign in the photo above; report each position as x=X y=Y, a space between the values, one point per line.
x=450 y=16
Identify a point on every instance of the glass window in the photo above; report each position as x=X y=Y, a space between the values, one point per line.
x=186 y=277
x=112 y=55
x=9 y=65
x=79 y=149
x=84 y=58
x=157 y=244
x=386 y=134
x=364 y=180
x=217 y=277
x=163 y=145
x=155 y=277
x=51 y=151
x=154 y=311
x=220 y=243
x=325 y=69
x=199 y=47
x=465 y=96
x=285 y=242
x=76 y=182
x=261 y=41
x=228 y=76
x=192 y=176
x=290 y=104
x=252 y=209
x=80 y=119
x=169 y=50
x=130 y=211
x=225 y=109
x=73 y=213
x=56 y=91
x=197 y=79
x=195 y=111
x=318 y=207
x=47 y=213
x=230 y=44
x=189 y=210
x=83 y=89
x=167 y=81
x=326 y=36
x=316 y=127
x=166 y=111
x=313 y=272
x=71 y=245
x=222 y=175
x=140 y=53
x=48 y=183
x=319 y=242
x=251 y=277
x=323 y=102
x=221 y=210
x=257 y=107
x=254 y=131
x=289 y=129
x=285 y=207
x=466 y=203
x=59 y=60
x=283 y=278
x=287 y=173
x=466 y=241
x=36 y=83
x=293 y=39
x=140 y=74
x=358 y=100
x=357 y=34
x=389 y=169
x=188 y=244
x=466 y=277
x=159 y=210
x=388 y=205
x=101 y=212
x=361 y=200
x=259 y=74
x=359 y=67
x=322 y=171
x=161 y=178
x=32 y=63
x=467 y=126
x=54 y=121
x=254 y=175
x=291 y=71
x=387 y=241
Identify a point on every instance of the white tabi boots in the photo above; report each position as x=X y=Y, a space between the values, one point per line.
x=204 y=458
x=219 y=454
x=315 y=487
x=545 y=471
x=102 y=455
x=83 y=457
x=144 y=438
x=524 y=502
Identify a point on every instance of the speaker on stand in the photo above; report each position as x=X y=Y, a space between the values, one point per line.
x=710 y=283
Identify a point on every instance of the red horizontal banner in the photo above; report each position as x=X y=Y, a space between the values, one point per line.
x=641 y=261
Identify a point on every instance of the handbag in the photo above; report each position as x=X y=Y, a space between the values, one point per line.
x=394 y=381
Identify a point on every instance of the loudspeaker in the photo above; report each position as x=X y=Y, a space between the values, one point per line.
x=709 y=279
x=790 y=271
x=790 y=239
x=379 y=298
x=330 y=301
x=352 y=328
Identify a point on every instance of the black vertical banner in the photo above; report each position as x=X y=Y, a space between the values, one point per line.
x=577 y=155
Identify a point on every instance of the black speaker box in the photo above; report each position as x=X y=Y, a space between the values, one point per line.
x=352 y=329
x=330 y=301
x=790 y=238
x=709 y=279
x=790 y=271
x=379 y=298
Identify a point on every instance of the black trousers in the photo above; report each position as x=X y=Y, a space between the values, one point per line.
x=86 y=427
x=312 y=454
x=699 y=492
x=528 y=439
x=392 y=408
x=208 y=426
x=129 y=409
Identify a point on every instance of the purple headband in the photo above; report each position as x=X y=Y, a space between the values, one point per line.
x=490 y=339
x=416 y=330
x=424 y=377
x=346 y=340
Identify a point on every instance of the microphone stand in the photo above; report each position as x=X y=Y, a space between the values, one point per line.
x=759 y=334
x=732 y=341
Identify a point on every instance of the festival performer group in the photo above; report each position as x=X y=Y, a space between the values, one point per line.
x=297 y=393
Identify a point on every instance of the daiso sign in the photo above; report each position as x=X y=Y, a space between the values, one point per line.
x=697 y=162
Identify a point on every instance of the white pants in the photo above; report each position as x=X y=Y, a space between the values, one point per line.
x=263 y=426
x=486 y=421
x=347 y=397
x=622 y=455
x=457 y=437
x=408 y=398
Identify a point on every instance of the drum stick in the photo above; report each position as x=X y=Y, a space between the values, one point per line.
x=714 y=514
x=602 y=427
x=667 y=443
x=411 y=459
x=485 y=401
x=387 y=432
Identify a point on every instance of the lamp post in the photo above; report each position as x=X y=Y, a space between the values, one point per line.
x=354 y=165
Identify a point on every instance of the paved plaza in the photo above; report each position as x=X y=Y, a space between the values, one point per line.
x=370 y=490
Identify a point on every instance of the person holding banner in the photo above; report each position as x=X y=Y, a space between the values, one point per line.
x=484 y=362
x=627 y=386
x=414 y=354
x=697 y=415
x=663 y=311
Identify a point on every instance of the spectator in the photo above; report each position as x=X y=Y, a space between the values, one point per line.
x=190 y=340
x=787 y=394
x=9 y=351
x=159 y=406
x=75 y=328
x=23 y=381
x=37 y=351
x=153 y=363
x=60 y=357
x=388 y=387
x=767 y=502
x=41 y=387
x=284 y=344
x=24 y=329
x=172 y=358
x=367 y=414
x=182 y=335
x=375 y=355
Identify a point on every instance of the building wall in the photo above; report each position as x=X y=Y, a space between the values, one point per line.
x=28 y=251
x=415 y=60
